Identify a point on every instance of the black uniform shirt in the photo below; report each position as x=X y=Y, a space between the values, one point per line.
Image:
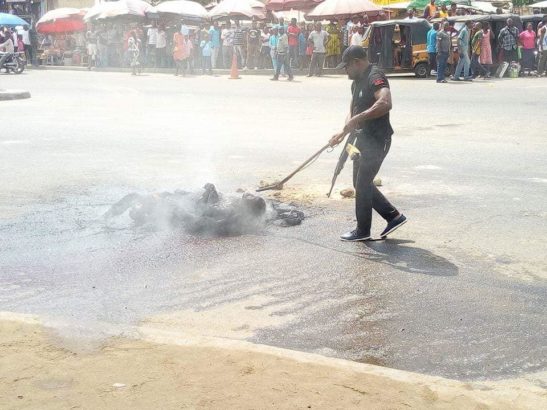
x=363 y=98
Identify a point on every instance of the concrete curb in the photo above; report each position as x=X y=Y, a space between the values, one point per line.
x=525 y=392
x=6 y=95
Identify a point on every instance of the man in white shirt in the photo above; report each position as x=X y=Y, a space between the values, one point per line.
x=357 y=37
x=152 y=36
x=318 y=39
x=161 y=45
x=27 y=41
x=227 y=37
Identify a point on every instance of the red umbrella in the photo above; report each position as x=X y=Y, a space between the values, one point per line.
x=285 y=5
x=63 y=20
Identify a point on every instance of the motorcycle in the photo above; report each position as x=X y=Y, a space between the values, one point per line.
x=14 y=63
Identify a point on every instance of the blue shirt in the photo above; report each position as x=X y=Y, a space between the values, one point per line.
x=214 y=35
x=432 y=41
x=463 y=40
x=273 y=41
x=302 y=44
x=206 y=47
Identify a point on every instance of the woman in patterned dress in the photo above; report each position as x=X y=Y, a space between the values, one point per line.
x=333 y=44
x=485 y=57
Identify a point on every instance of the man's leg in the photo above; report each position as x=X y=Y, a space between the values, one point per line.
x=466 y=65
x=239 y=55
x=226 y=54
x=292 y=56
x=441 y=67
x=459 y=67
x=475 y=66
x=288 y=68
x=433 y=61
x=542 y=62
x=254 y=55
x=278 y=64
x=320 y=63
x=313 y=62
x=480 y=68
x=30 y=54
x=367 y=195
x=213 y=57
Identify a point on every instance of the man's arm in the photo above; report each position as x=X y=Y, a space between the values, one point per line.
x=381 y=107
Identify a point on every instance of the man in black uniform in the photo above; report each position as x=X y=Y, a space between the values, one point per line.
x=369 y=118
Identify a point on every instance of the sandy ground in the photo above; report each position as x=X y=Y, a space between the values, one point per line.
x=36 y=373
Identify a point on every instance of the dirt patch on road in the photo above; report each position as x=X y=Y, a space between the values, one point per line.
x=37 y=374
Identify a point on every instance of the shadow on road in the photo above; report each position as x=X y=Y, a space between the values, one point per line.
x=410 y=259
x=391 y=253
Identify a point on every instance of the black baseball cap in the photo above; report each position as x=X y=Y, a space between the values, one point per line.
x=352 y=53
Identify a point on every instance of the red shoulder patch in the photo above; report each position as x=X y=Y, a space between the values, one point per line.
x=379 y=81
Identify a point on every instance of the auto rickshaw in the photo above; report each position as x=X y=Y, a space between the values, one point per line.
x=399 y=46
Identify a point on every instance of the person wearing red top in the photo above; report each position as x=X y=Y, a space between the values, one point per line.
x=528 y=41
x=293 y=31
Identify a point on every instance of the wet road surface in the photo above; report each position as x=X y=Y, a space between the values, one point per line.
x=458 y=292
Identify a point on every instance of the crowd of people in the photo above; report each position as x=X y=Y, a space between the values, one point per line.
x=474 y=56
x=16 y=40
x=260 y=45
x=276 y=45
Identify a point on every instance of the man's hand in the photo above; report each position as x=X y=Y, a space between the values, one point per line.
x=351 y=125
x=337 y=139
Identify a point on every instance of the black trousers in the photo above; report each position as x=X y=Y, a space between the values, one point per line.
x=367 y=195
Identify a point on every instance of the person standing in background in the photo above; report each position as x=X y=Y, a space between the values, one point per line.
x=239 y=42
x=318 y=40
x=302 y=46
x=227 y=37
x=528 y=41
x=464 y=62
x=206 y=47
x=214 y=36
x=161 y=47
x=253 y=46
x=542 y=45
x=282 y=55
x=432 y=48
x=485 y=58
x=293 y=31
x=29 y=51
x=264 y=60
x=273 y=47
x=443 y=50
x=152 y=36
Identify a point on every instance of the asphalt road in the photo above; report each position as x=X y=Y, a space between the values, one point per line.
x=460 y=291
